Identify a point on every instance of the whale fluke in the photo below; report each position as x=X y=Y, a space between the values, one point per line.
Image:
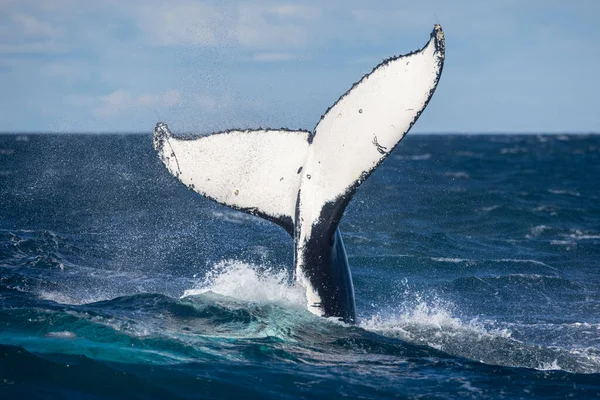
x=303 y=181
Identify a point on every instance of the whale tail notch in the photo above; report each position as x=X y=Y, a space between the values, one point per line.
x=303 y=181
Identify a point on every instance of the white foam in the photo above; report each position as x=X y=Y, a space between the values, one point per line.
x=63 y=298
x=581 y=235
x=524 y=261
x=451 y=260
x=537 y=231
x=61 y=335
x=435 y=323
x=423 y=317
x=488 y=209
x=458 y=175
x=249 y=282
x=546 y=208
x=553 y=366
x=569 y=244
x=567 y=192
x=514 y=150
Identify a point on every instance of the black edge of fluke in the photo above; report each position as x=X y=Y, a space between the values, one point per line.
x=161 y=132
x=440 y=42
x=162 y=135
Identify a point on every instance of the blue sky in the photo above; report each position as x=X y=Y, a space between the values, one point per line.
x=119 y=66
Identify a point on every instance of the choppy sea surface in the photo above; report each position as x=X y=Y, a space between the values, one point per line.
x=476 y=266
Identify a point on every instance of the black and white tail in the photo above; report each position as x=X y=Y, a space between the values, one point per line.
x=303 y=181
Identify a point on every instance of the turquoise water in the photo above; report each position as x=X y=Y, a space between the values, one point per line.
x=474 y=258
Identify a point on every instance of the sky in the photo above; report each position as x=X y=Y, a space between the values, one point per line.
x=202 y=66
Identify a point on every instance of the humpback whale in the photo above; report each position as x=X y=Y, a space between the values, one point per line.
x=304 y=180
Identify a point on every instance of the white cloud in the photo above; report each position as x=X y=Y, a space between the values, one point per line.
x=275 y=26
x=187 y=23
x=24 y=33
x=121 y=100
x=33 y=27
x=263 y=25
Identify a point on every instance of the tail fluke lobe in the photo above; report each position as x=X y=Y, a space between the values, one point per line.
x=363 y=127
x=353 y=137
x=255 y=171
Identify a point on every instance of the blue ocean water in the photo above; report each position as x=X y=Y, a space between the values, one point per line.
x=475 y=265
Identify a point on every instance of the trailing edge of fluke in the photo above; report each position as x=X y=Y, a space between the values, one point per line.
x=304 y=180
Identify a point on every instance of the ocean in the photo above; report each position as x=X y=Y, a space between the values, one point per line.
x=475 y=261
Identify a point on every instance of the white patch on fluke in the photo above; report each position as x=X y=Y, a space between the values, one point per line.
x=375 y=114
x=243 y=169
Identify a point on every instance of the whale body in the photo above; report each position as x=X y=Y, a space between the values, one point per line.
x=304 y=180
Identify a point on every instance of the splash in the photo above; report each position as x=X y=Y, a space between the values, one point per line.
x=250 y=282
x=427 y=322
x=433 y=322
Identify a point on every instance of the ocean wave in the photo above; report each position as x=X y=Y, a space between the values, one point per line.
x=520 y=260
x=550 y=209
x=567 y=244
x=514 y=150
x=564 y=192
x=246 y=313
x=561 y=236
x=469 y=154
x=488 y=209
x=60 y=297
x=453 y=260
x=457 y=175
x=537 y=231
x=42 y=249
x=471 y=262
x=520 y=286
x=577 y=234
x=438 y=325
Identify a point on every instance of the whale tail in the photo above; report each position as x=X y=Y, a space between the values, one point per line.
x=303 y=181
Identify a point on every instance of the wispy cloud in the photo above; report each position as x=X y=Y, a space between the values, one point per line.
x=23 y=33
x=252 y=25
x=274 y=25
x=33 y=27
x=183 y=23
